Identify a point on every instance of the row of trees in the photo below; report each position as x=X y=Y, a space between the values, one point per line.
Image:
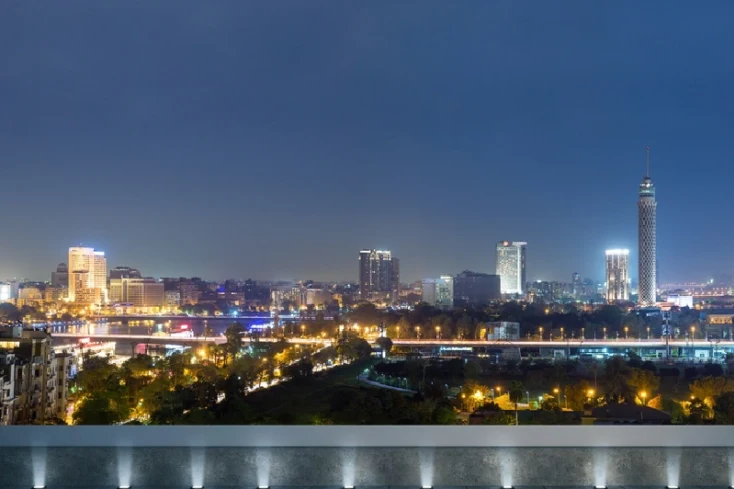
x=467 y=322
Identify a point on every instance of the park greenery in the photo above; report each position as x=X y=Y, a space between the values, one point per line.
x=557 y=321
x=281 y=383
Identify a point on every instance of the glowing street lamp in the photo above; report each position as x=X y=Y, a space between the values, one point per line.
x=643 y=396
x=438 y=332
x=418 y=331
x=561 y=333
x=626 y=332
x=541 y=333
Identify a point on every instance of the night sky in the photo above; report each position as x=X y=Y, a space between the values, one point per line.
x=274 y=139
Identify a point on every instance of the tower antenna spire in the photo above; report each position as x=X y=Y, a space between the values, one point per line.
x=647 y=162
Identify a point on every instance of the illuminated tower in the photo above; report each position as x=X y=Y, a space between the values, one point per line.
x=510 y=266
x=617 y=275
x=87 y=276
x=647 y=210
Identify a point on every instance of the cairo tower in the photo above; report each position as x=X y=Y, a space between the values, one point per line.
x=647 y=210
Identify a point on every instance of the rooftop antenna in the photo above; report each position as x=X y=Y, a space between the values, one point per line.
x=647 y=162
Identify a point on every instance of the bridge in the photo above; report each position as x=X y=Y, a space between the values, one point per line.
x=175 y=340
x=174 y=317
x=436 y=343
x=572 y=343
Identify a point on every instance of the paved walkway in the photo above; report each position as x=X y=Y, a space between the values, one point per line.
x=364 y=379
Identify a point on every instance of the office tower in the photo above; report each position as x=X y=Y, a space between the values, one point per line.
x=647 y=259
x=511 y=258
x=4 y=292
x=137 y=292
x=439 y=292
x=14 y=289
x=476 y=288
x=60 y=278
x=576 y=285
x=618 y=277
x=379 y=275
x=87 y=276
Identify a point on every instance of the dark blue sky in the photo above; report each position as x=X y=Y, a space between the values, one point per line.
x=276 y=139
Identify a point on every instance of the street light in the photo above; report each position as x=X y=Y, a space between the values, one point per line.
x=648 y=332
x=591 y=392
x=605 y=332
x=541 y=333
x=499 y=390
x=418 y=331
x=561 y=332
x=438 y=332
x=643 y=396
x=626 y=332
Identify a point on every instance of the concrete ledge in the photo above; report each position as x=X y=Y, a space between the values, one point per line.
x=411 y=456
x=367 y=436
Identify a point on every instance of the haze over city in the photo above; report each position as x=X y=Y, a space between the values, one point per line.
x=274 y=141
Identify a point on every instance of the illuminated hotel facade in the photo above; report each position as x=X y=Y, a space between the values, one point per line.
x=87 y=276
x=647 y=240
x=511 y=259
x=618 y=277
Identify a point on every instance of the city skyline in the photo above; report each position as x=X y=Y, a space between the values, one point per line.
x=236 y=158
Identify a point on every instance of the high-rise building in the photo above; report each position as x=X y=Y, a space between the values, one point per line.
x=87 y=276
x=511 y=257
x=576 y=285
x=5 y=292
x=476 y=288
x=439 y=292
x=60 y=278
x=647 y=254
x=618 y=276
x=138 y=292
x=379 y=275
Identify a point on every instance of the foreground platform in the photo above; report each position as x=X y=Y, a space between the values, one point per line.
x=366 y=456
